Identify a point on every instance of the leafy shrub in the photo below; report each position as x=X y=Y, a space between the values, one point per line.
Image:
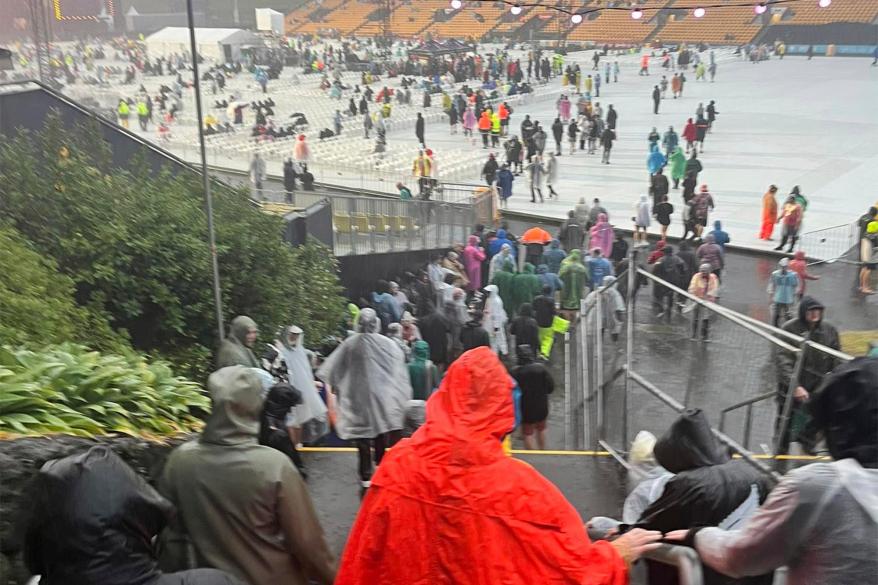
x=133 y=242
x=67 y=389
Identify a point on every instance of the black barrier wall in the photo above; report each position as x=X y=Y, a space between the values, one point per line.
x=358 y=274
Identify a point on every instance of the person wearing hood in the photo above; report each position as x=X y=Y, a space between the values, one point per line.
x=708 y=488
x=701 y=126
x=686 y=254
x=309 y=420
x=670 y=141
x=384 y=303
x=436 y=331
x=656 y=160
x=243 y=506
x=536 y=172
x=791 y=220
x=505 y=178
x=554 y=256
x=641 y=220
x=598 y=268
x=662 y=212
x=548 y=279
x=399 y=297
x=525 y=286
x=544 y=313
x=572 y=232
x=782 y=286
x=712 y=253
x=495 y=320
x=551 y=168
x=237 y=348
x=574 y=275
x=612 y=305
x=497 y=243
x=678 y=166
x=452 y=263
x=820 y=520
x=720 y=237
x=410 y=331
x=810 y=325
x=690 y=133
x=489 y=170
x=457 y=314
x=769 y=213
x=671 y=269
x=658 y=185
x=473 y=256
x=657 y=252
x=705 y=286
x=702 y=205
x=536 y=383
x=580 y=212
x=504 y=261
x=452 y=478
x=799 y=265
x=423 y=373
x=558 y=134
x=525 y=328
x=602 y=235
x=89 y=519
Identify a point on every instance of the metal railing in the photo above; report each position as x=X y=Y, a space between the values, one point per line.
x=686 y=560
x=830 y=244
x=368 y=225
x=602 y=383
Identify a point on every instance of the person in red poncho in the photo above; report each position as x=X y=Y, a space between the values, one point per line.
x=449 y=507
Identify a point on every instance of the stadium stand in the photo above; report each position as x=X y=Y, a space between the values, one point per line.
x=729 y=25
x=839 y=11
x=473 y=22
x=614 y=27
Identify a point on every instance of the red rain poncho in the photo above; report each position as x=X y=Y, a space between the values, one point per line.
x=448 y=507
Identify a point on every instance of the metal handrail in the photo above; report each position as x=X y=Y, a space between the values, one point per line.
x=686 y=560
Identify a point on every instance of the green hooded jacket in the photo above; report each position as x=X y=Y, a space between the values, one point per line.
x=574 y=275
x=233 y=351
x=678 y=164
x=505 y=281
x=244 y=507
x=423 y=374
x=525 y=286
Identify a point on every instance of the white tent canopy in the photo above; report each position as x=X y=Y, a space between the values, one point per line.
x=218 y=44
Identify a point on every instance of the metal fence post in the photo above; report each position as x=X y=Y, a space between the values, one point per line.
x=629 y=340
x=585 y=377
x=784 y=415
x=567 y=397
x=599 y=362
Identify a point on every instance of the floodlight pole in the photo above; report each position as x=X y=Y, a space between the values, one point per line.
x=205 y=178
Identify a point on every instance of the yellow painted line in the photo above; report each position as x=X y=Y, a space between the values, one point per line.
x=575 y=453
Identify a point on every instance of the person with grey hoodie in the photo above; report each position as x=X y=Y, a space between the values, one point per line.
x=237 y=348
x=821 y=520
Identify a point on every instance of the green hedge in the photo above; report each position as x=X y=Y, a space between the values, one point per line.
x=67 y=389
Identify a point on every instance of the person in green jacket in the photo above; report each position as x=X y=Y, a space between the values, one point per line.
x=124 y=111
x=505 y=281
x=526 y=286
x=423 y=374
x=142 y=114
x=678 y=166
x=236 y=348
x=574 y=275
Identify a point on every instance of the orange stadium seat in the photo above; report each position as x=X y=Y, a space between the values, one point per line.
x=838 y=11
x=727 y=25
x=470 y=22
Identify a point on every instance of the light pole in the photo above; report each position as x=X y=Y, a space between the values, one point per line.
x=205 y=178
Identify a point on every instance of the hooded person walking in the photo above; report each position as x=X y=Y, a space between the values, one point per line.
x=554 y=256
x=525 y=286
x=243 y=506
x=423 y=374
x=368 y=372
x=678 y=166
x=769 y=213
x=574 y=275
x=309 y=420
x=656 y=160
x=237 y=348
x=473 y=256
x=453 y=478
x=602 y=235
x=495 y=319
x=536 y=383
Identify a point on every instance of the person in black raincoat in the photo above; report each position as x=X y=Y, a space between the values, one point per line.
x=536 y=384
x=91 y=520
x=815 y=366
x=709 y=486
x=436 y=331
x=525 y=328
x=272 y=422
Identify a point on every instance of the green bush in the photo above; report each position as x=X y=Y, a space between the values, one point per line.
x=67 y=389
x=134 y=245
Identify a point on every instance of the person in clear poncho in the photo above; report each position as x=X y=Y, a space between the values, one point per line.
x=369 y=374
x=307 y=421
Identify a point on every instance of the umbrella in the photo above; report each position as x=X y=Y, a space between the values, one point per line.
x=536 y=235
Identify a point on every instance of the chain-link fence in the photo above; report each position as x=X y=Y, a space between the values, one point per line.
x=644 y=350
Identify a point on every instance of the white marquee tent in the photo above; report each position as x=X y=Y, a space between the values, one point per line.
x=216 y=44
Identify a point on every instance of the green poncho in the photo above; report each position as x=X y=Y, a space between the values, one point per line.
x=505 y=281
x=574 y=275
x=423 y=373
x=525 y=286
x=678 y=164
x=233 y=351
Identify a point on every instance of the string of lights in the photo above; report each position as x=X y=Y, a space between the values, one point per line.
x=637 y=11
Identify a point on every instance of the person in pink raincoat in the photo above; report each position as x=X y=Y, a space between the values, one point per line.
x=564 y=108
x=602 y=235
x=473 y=256
x=469 y=121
